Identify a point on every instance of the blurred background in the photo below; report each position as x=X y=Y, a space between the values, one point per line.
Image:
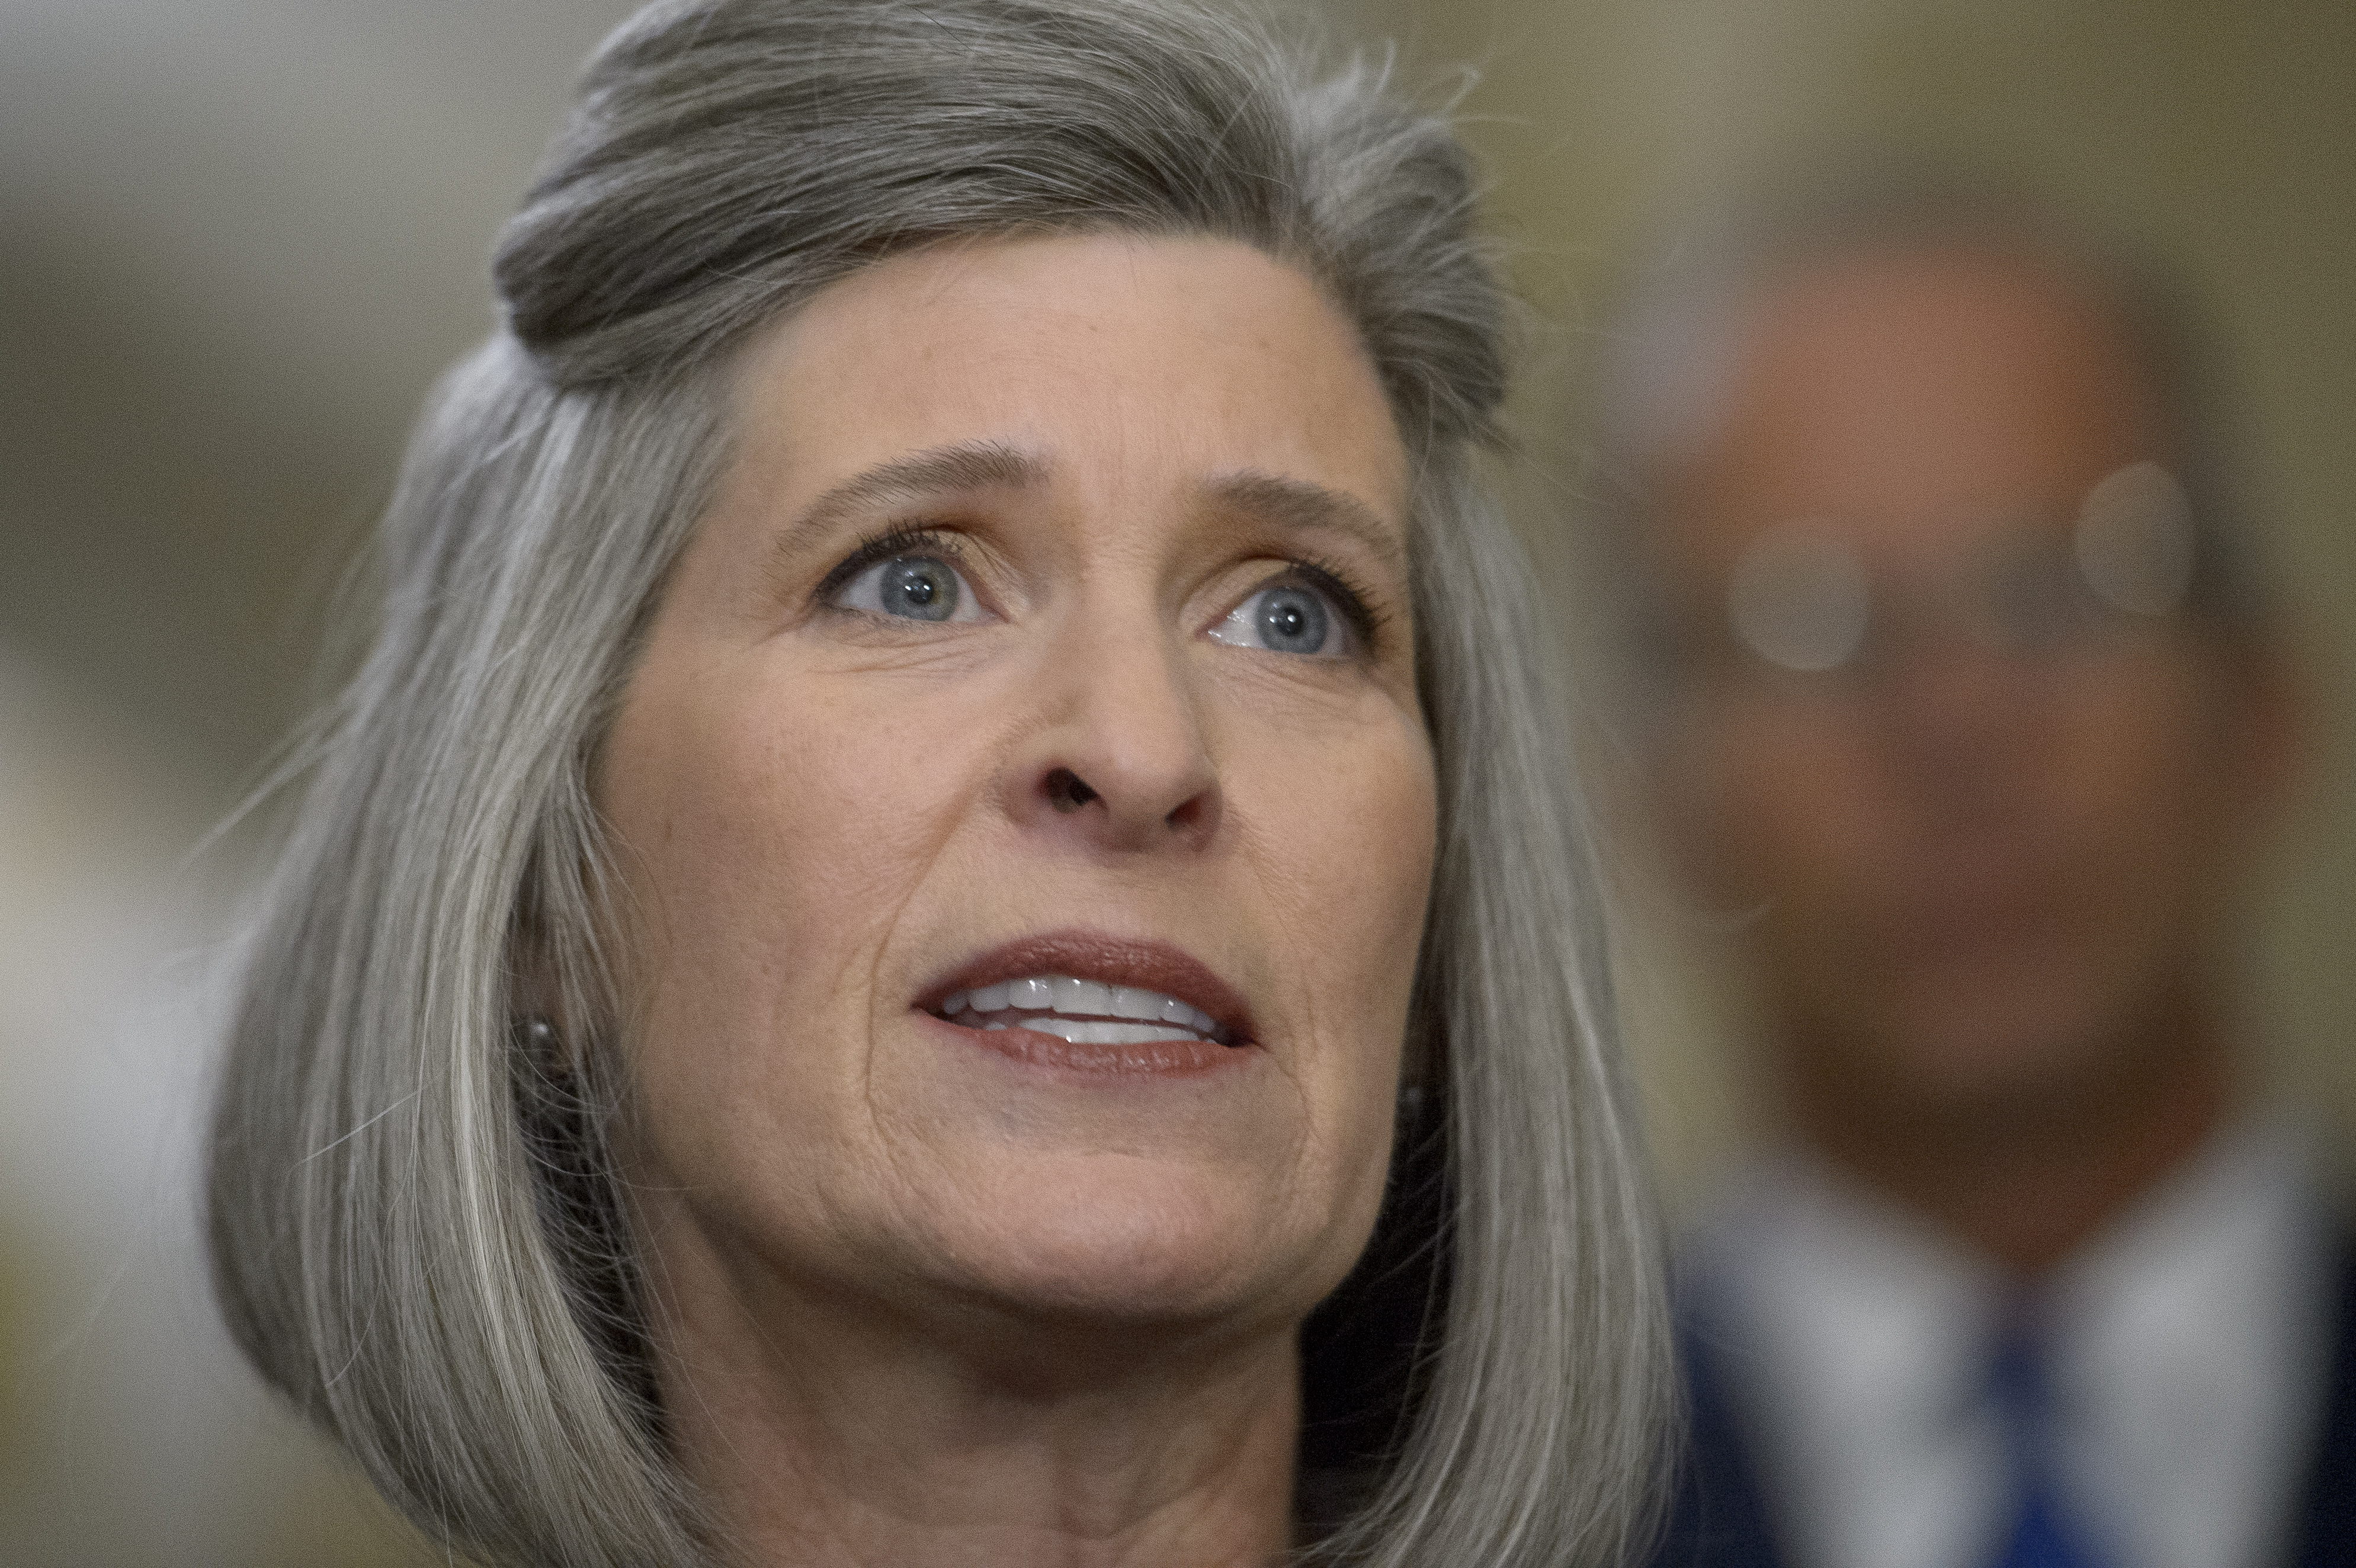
x=239 y=237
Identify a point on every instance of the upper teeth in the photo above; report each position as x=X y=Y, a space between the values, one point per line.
x=1088 y=1008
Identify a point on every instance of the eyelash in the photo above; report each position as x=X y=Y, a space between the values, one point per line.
x=901 y=540
x=1334 y=582
x=1330 y=577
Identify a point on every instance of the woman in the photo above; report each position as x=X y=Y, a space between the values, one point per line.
x=952 y=759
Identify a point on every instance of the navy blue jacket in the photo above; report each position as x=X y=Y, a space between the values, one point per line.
x=1719 y=1518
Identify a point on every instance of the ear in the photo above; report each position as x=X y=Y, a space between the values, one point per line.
x=536 y=1003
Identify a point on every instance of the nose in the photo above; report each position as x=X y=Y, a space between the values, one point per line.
x=1964 y=725
x=1119 y=760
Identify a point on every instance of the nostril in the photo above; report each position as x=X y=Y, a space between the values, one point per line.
x=1066 y=791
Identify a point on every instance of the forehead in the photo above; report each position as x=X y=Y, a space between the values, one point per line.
x=1913 y=400
x=1122 y=362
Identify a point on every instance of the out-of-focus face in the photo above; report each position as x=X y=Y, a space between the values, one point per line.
x=1974 y=874
x=1025 y=806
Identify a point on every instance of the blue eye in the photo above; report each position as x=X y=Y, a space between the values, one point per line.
x=1285 y=618
x=913 y=588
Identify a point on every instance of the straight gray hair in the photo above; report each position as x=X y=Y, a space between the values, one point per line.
x=417 y=1232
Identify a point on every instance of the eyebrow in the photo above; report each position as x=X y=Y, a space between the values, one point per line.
x=1280 y=503
x=941 y=470
x=1300 y=505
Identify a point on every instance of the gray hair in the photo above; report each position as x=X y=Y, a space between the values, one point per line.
x=1669 y=342
x=418 y=1234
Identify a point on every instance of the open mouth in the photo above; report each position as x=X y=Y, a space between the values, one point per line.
x=1082 y=1012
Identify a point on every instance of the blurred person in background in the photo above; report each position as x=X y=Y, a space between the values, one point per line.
x=1964 y=709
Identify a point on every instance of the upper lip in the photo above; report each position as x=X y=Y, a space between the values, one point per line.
x=1114 y=960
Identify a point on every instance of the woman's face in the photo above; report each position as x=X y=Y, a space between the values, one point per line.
x=1023 y=803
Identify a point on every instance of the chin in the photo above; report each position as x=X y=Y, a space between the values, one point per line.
x=1997 y=1043
x=1141 y=1245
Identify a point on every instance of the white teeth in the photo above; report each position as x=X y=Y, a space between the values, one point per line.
x=1175 y=1011
x=1081 y=997
x=1107 y=1031
x=1090 y=1007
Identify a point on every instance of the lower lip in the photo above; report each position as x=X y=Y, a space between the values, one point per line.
x=1153 y=1059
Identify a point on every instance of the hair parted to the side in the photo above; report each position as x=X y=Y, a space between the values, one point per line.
x=416 y=1231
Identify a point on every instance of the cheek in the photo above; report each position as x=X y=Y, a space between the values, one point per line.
x=1364 y=846
x=1773 y=803
x=1343 y=851
x=2147 y=775
x=766 y=843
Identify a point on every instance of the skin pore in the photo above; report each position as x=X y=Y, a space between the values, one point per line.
x=1056 y=596
x=1989 y=883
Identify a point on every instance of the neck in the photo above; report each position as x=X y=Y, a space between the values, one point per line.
x=2025 y=1180
x=826 y=1433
